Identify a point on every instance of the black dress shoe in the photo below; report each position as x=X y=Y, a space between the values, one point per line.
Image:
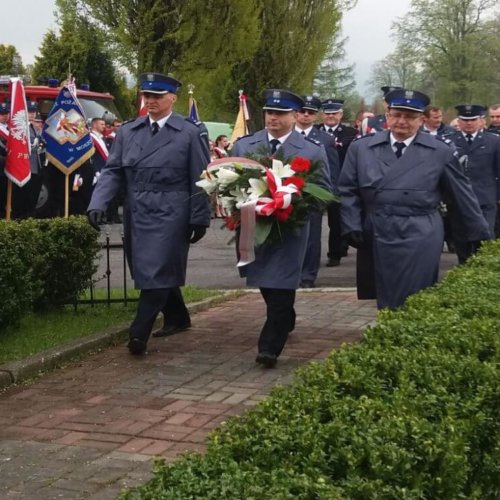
x=333 y=262
x=136 y=346
x=307 y=284
x=169 y=330
x=266 y=359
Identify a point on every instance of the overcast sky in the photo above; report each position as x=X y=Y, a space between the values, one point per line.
x=367 y=27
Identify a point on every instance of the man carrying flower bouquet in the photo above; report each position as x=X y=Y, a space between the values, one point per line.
x=277 y=267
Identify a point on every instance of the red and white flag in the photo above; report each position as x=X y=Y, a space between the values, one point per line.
x=142 y=107
x=17 y=162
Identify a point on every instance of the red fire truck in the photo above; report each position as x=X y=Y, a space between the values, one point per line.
x=94 y=104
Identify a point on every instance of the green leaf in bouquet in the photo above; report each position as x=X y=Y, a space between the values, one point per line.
x=320 y=193
x=263 y=226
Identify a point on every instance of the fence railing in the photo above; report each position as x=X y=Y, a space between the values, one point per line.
x=111 y=267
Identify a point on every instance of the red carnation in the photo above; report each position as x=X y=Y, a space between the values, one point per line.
x=231 y=223
x=300 y=164
x=284 y=213
x=296 y=181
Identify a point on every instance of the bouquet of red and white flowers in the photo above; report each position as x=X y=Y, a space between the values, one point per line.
x=265 y=196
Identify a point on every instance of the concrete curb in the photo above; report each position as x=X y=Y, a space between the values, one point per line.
x=19 y=371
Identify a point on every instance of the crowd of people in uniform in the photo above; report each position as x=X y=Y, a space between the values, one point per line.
x=392 y=173
x=43 y=195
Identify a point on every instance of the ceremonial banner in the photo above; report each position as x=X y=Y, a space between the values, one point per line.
x=17 y=162
x=241 y=127
x=142 y=107
x=66 y=134
x=193 y=109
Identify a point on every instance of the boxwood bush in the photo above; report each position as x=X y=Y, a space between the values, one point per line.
x=44 y=263
x=411 y=412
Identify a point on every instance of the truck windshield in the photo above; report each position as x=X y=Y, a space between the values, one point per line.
x=93 y=108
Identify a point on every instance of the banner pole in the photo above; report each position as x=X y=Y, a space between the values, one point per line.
x=8 y=205
x=66 y=196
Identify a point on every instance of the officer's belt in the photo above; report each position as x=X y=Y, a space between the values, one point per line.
x=159 y=187
x=400 y=210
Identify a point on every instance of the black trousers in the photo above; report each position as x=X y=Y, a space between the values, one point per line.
x=151 y=303
x=337 y=247
x=280 y=319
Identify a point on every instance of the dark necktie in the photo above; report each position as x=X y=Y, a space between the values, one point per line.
x=469 y=139
x=399 y=148
x=274 y=145
x=155 y=128
x=330 y=131
x=303 y=133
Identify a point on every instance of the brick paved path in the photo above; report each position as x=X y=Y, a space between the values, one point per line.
x=90 y=429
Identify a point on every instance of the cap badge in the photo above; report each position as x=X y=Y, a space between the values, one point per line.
x=468 y=107
x=409 y=94
x=276 y=94
x=150 y=77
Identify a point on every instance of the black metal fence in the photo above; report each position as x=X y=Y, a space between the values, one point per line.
x=112 y=267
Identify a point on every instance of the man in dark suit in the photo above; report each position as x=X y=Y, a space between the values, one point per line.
x=391 y=185
x=332 y=110
x=158 y=159
x=306 y=116
x=277 y=267
x=479 y=152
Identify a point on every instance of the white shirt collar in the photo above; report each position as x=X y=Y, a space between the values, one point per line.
x=161 y=121
x=282 y=139
x=473 y=135
x=306 y=131
x=406 y=141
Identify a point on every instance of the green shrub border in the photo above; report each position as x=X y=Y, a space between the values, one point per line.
x=45 y=263
x=411 y=412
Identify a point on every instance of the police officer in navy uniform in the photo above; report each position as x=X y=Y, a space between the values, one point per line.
x=277 y=267
x=479 y=152
x=391 y=185
x=332 y=124
x=158 y=159
x=378 y=123
x=306 y=116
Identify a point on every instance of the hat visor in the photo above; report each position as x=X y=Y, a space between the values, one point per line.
x=277 y=108
x=407 y=107
x=469 y=117
x=152 y=91
x=309 y=109
x=332 y=111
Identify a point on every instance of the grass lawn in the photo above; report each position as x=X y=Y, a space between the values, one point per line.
x=40 y=331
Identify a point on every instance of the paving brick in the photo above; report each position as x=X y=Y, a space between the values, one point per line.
x=93 y=427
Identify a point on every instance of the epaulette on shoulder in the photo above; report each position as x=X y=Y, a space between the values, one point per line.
x=198 y=123
x=243 y=136
x=314 y=141
x=131 y=120
x=444 y=139
x=360 y=137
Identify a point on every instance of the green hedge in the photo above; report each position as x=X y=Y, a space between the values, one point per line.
x=44 y=263
x=412 y=412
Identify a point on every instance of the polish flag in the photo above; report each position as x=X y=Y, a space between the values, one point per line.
x=17 y=162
